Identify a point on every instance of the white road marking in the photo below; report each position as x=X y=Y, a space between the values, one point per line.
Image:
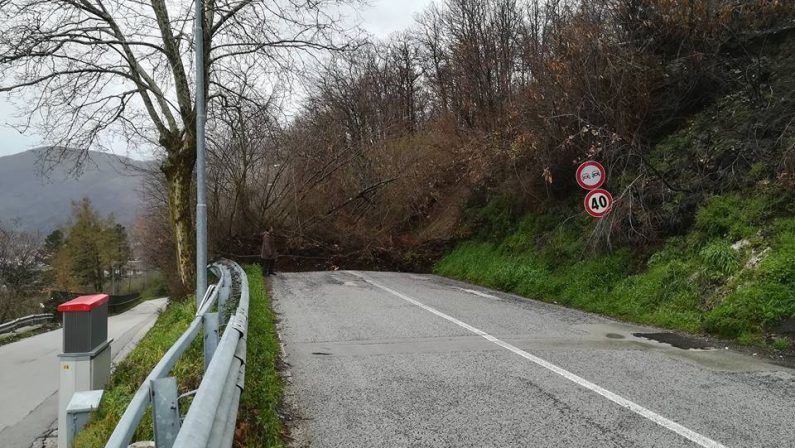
x=619 y=400
x=478 y=293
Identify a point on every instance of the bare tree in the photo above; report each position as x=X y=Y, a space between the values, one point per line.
x=92 y=73
x=20 y=269
x=434 y=56
x=246 y=168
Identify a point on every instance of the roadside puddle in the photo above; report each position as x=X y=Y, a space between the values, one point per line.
x=676 y=340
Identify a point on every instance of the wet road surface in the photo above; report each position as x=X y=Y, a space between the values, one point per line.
x=399 y=360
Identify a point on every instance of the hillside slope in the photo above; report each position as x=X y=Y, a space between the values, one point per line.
x=40 y=204
x=726 y=265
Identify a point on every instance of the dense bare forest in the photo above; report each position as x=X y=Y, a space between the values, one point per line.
x=399 y=143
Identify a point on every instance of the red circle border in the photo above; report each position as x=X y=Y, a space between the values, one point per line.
x=590 y=194
x=591 y=163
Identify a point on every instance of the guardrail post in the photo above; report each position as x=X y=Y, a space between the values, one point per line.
x=211 y=323
x=165 y=411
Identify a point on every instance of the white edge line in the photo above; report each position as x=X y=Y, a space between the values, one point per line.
x=478 y=293
x=615 y=398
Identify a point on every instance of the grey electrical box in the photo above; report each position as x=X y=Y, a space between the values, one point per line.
x=85 y=323
x=84 y=364
x=79 y=410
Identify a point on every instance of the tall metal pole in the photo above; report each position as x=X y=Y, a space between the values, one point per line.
x=201 y=118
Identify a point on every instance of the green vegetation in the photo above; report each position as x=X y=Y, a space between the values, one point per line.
x=150 y=285
x=259 y=424
x=91 y=246
x=732 y=274
x=705 y=244
x=130 y=374
x=155 y=289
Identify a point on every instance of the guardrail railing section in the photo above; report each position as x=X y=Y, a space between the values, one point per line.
x=222 y=318
x=33 y=319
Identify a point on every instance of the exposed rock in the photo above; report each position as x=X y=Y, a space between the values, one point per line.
x=742 y=244
x=756 y=258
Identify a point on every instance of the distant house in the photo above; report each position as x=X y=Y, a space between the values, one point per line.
x=134 y=268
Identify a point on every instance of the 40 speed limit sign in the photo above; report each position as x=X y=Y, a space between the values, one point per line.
x=598 y=202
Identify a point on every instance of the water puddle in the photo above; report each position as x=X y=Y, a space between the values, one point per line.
x=677 y=340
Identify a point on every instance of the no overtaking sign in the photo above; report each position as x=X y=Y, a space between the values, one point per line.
x=591 y=175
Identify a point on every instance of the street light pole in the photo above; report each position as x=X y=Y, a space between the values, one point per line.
x=201 y=193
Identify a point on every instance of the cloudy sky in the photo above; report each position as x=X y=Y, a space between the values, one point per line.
x=381 y=18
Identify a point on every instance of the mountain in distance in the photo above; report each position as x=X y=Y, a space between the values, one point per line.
x=42 y=203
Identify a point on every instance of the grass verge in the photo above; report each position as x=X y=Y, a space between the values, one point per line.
x=259 y=424
x=732 y=275
x=131 y=372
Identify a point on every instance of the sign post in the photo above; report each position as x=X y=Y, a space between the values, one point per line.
x=590 y=176
x=201 y=191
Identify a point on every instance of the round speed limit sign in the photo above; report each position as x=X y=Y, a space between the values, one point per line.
x=598 y=202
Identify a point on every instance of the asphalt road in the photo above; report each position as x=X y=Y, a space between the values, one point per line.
x=401 y=360
x=29 y=374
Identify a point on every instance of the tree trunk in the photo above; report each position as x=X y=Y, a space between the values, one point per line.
x=178 y=170
x=99 y=276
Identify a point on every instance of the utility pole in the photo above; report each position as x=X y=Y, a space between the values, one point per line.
x=201 y=192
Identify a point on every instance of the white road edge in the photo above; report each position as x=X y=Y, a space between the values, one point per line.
x=478 y=293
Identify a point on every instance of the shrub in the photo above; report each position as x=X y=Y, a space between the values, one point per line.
x=728 y=216
x=781 y=343
x=495 y=220
x=750 y=308
x=779 y=266
x=719 y=256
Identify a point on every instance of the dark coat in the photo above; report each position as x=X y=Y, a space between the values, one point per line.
x=268 y=250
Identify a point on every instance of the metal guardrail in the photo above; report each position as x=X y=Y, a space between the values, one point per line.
x=210 y=420
x=33 y=319
x=119 y=305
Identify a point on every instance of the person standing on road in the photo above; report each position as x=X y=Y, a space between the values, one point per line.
x=268 y=252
